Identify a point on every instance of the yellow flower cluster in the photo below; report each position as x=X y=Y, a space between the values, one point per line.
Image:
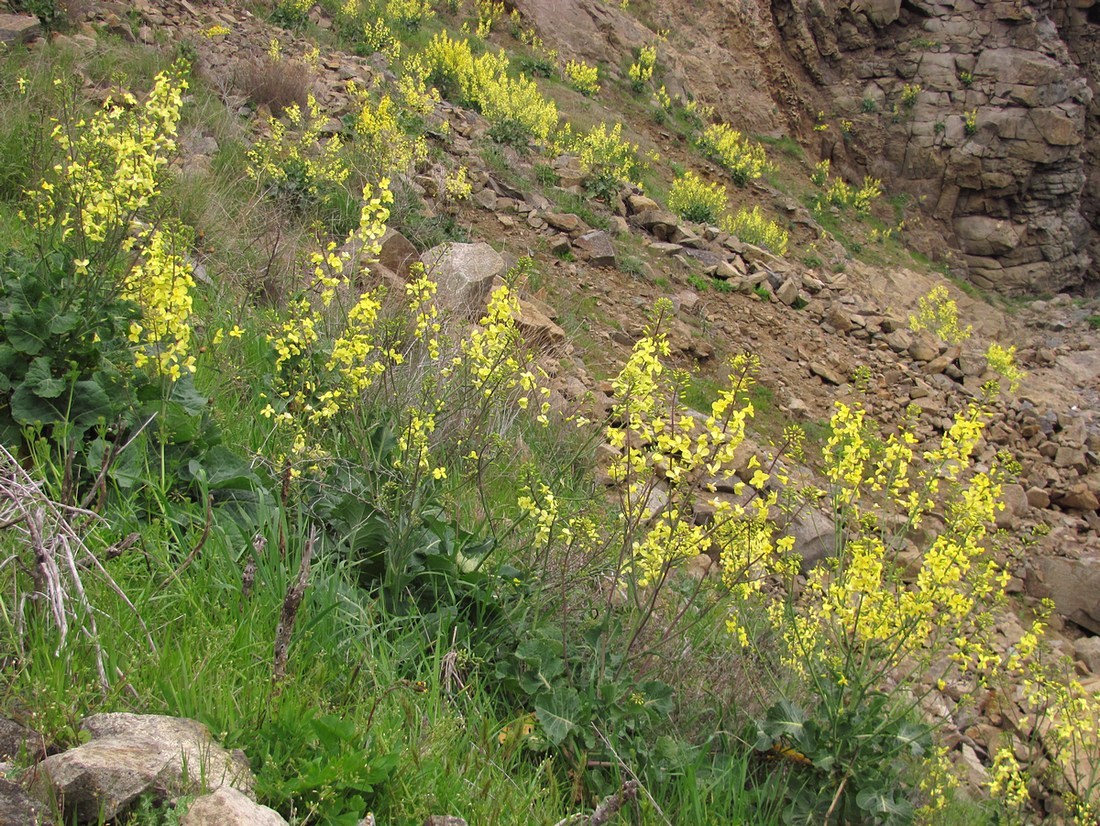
x=693 y=199
x=938 y=313
x=641 y=71
x=859 y=601
x=1002 y=361
x=293 y=158
x=383 y=143
x=161 y=284
x=409 y=14
x=514 y=106
x=488 y=13
x=743 y=159
x=494 y=362
x=582 y=77
x=605 y=156
x=312 y=393
x=658 y=440
x=110 y=169
x=754 y=227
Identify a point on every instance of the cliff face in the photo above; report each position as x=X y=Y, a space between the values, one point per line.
x=995 y=142
x=1001 y=144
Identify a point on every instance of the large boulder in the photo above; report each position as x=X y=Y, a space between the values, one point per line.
x=228 y=807
x=18 y=28
x=130 y=755
x=17 y=809
x=1073 y=585
x=465 y=274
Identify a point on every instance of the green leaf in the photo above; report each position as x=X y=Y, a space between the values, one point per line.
x=42 y=381
x=558 y=712
x=65 y=323
x=188 y=397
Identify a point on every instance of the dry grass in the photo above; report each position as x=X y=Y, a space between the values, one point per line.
x=276 y=84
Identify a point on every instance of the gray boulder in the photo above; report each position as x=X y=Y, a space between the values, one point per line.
x=464 y=273
x=1074 y=585
x=228 y=807
x=131 y=755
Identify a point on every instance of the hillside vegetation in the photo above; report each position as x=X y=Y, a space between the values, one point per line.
x=361 y=399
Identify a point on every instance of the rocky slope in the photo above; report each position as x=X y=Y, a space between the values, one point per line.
x=983 y=111
x=1009 y=196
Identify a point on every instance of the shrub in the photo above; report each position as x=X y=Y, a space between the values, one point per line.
x=641 y=71
x=488 y=13
x=582 y=77
x=515 y=108
x=909 y=94
x=755 y=228
x=384 y=144
x=410 y=15
x=693 y=199
x=291 y=13
x=293 y=162
x=743 y=159
x=608 y=160
x=938 y=314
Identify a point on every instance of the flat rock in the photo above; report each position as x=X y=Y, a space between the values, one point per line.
x=18 y=28
x=596 y=248
x=131 y=755
x=228 y=807
x=536 y=326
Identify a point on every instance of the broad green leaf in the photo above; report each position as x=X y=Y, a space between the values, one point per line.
x=558 y=712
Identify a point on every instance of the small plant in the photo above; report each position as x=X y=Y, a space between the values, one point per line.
x=938 y=314
x=1002 y=361
x=910 y=92
x=966 y=78
x=743 y=159
x=488 y=13
x=970 y=121
x=608 y=159
x=1094 y=322
x=291 y=14
x=582 y=77
x=762 y=292
x=693 y=199
x=820 y=175
x=753 y=227
x=939 y=127
x=641 y=71
x=698 y=282
x=410 y=15
x=869 y=106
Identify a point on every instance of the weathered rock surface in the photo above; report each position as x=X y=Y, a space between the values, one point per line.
x=228 y=807
x=464 y=273
x=19 y=809
x=130 y=755
x=16 y=739
x=18 y=28
x=1074 y=585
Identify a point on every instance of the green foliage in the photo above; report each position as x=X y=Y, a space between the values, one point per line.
x=65 y=354
x=846 y=763
x=938 y=314
x=322 y=767
x=743 y=159
x=693 y=199
x=1094 y=322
